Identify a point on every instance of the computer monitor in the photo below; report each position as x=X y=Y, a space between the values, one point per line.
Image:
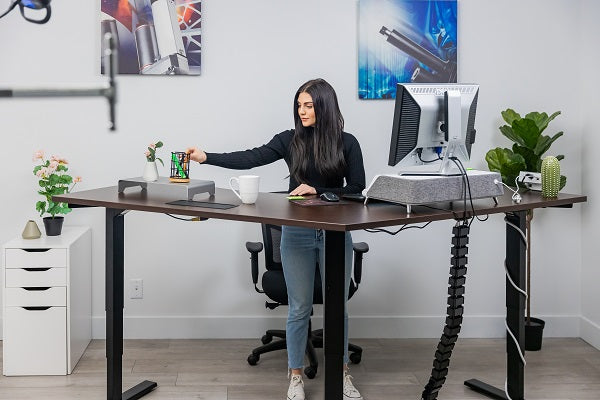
x=433 y=123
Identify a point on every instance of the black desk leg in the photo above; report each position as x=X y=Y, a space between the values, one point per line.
x=333 y=345
x=114 y=311
x=515 y=314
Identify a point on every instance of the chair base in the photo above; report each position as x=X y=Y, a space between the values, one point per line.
x=315 y=340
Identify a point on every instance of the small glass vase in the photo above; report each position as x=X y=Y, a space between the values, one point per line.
x=150 y=171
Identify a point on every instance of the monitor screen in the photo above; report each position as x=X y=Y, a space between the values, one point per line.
x=433 y=127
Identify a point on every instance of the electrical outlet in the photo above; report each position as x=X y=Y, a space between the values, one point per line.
x=136 y=288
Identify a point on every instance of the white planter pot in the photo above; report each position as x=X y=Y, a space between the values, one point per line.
x=150 y=171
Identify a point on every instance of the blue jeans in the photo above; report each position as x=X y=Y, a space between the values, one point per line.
x=301 y=248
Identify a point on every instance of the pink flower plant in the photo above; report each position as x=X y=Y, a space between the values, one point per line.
x=53 y=180
x=151 y=152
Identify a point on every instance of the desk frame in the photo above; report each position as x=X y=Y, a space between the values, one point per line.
x=115 y=276
x=515 y=314
x=272 y=209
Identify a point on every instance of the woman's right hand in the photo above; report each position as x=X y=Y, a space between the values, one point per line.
x=196 y=154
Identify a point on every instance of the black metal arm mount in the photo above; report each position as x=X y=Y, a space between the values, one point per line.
x=109 y=90
x=456 y=290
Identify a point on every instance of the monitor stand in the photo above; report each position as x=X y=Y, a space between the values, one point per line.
x=426 y=189
x=188 y=190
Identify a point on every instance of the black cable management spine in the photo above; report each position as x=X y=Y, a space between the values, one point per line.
x=456 y=290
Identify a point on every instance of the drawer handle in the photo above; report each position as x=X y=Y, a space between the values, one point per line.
x=35 y=250
x=36 y=288
x=36 y=269
x=37 y=308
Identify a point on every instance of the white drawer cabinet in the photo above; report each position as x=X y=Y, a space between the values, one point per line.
x=35 y=257
x=32 y=277
x=47 y=304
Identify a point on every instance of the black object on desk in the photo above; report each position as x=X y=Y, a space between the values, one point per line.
x=354 y=197
x=317 y=202
x=329 y=196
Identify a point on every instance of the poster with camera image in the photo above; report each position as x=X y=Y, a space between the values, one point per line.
x=158 y=37
x=403 y=41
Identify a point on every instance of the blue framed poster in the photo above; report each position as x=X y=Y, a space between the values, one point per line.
x=404 y=41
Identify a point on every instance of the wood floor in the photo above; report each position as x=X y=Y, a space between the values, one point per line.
x=390 y=369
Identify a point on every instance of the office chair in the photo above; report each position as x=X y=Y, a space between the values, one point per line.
x=273 y=285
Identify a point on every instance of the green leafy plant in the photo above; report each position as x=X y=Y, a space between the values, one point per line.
x=528 y=148
x=54 y=180
x=529 y=145
x=151 y=152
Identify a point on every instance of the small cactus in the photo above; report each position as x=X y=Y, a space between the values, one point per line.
x=550 y=176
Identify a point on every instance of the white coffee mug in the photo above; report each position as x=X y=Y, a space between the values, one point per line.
x=248 y=185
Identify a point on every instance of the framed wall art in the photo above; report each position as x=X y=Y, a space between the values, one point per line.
x=405 y=41
x=154 y=37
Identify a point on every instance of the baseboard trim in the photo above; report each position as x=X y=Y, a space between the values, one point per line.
x=590 y=332
x=186 y=327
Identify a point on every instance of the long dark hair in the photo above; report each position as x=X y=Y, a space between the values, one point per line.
x=324 y=139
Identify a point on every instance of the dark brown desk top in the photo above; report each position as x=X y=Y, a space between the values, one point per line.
x=274 y=208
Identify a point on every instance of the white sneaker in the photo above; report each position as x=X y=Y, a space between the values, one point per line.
x=350 y=392
x=296 y=389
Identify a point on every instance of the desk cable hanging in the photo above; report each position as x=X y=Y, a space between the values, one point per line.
x=456 y=290
x=467 y=187
x=193 y=219
x=455 y=310
x=524 y=293
x=516 y=197
x=402 y=228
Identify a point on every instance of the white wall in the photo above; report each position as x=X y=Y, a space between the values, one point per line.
x=255 y=55
x=589 y=82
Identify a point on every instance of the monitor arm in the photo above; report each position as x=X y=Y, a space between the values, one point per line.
x=453 y=128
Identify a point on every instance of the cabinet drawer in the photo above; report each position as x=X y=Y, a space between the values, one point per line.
x=54 y=296
x=20 y=277
x=35 y=341
x=36 y=258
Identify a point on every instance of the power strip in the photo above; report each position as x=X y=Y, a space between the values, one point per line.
x=531 y=180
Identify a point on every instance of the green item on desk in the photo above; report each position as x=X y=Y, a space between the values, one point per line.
x=296 y=198
x=176 y=161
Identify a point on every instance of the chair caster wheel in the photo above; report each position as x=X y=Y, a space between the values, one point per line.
x=355 y=358
x=253 y=359
x=310 y=372
x=266 y=339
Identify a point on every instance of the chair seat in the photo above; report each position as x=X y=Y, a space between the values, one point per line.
x=273 y=284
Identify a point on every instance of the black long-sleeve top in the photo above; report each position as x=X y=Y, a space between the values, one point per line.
x=279 y=147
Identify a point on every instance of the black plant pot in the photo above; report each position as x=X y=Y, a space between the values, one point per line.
x=53 y=225
x=533 y=334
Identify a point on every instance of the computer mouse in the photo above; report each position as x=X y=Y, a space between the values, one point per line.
x=329 y=196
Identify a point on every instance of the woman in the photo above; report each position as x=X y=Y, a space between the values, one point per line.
x=320 y=156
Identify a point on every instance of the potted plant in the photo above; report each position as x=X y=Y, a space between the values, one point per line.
x=53 y=180
x=151 y=170
x=529 y=146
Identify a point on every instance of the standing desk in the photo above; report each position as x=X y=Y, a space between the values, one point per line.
x=272 y=208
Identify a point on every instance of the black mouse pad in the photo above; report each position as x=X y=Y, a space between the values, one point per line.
x=204 y=204
x=317 y=202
